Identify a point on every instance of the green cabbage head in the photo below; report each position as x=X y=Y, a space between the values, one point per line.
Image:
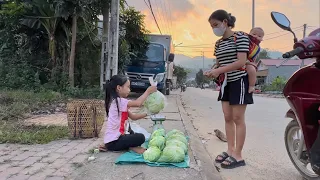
x=155 y=102
x=175 y=142
x=158 y=141
x=174 y=131
x=178 y=137
x=172 y=154
x=158 y=132
x=152 y=154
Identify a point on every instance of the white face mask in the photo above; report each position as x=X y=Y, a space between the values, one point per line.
x=219 y=31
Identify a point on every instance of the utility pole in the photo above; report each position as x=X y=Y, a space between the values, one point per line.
x=253 y=14
x=202 y=60
x=304 y=35
x=114 y=37
x=109 y=53
x=113 y=40
x=304 y=30
x=104 y=45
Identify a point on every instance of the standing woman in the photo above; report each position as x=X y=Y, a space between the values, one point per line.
x=231 y=55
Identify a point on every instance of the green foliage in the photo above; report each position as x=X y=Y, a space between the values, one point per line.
x=277 y=84
x=200 y=78
x=132 y=22
x=264 y=54
x=15 y=104
x=133 y=41
x=87 y=93
x=181 y=74
x=19 y=133
x=35 y=42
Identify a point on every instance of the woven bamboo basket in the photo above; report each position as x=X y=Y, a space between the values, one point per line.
x=85 y=117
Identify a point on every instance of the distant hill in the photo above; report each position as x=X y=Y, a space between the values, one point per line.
x=193 y=64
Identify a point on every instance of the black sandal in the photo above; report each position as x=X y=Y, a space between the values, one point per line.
x=232 y=163
x=223 y=157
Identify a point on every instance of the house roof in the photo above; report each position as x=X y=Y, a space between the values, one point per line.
x=291 y=62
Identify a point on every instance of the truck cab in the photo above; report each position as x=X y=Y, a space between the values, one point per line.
x=155 y=63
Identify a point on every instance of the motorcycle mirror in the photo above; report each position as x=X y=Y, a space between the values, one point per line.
x=281 y=20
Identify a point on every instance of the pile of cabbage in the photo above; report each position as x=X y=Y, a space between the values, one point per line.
x=166 y=148
x=155 y=102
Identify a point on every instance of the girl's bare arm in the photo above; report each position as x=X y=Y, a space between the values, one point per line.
x=139 y=102
x=135 y=117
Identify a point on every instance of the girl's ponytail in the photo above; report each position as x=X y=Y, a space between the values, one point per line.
x=111 y=90
x=108 y=97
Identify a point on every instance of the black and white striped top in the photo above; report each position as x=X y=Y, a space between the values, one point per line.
x=226 y=53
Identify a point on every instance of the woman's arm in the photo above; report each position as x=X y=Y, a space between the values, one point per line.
x=242 y=59
x=242 y=45
x=139 y=102
x=135 y=117
x=215 y=66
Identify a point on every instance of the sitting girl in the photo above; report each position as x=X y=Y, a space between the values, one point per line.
x=117 y=109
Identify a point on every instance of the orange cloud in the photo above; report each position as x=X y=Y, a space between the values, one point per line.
x=188 y=20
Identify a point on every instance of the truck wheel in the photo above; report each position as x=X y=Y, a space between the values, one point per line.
x=163 y=91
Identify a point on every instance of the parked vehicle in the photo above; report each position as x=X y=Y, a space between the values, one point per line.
x=183 y=87
x=157 y=63
x=302 y=92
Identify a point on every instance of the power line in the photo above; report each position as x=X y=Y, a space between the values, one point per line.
x=146 y=4
x=164 y=9
x=281 y=35
x=312 y=28
x=170 y=14
x=155 y=19
x=283 y=31
x=160 y=14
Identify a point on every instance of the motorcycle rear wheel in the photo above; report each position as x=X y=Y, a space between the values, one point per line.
x=292 y=139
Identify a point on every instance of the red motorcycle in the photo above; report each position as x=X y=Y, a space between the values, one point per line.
x=302 y=92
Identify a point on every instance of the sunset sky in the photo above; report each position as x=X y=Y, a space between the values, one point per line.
x=187 y=21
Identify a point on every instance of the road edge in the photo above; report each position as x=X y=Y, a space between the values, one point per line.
x=208 y=170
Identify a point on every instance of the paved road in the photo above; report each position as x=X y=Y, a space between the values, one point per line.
x=264 y=149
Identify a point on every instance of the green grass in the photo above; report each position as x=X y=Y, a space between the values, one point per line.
x=18 y=133
x=14 y=105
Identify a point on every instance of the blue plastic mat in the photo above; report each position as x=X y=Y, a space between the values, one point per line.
x=134 y=158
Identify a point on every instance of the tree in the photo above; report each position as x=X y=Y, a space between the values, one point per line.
x=200 y=78
x=181 y=74
x=132 y=23
x=36 y=42
x=264 y=54
x=74 y=9
x=133 y=41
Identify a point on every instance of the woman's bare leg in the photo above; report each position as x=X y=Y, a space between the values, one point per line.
x=239 y=119
x=229 y=126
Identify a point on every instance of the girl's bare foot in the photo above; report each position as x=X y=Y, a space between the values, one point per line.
x=102 y=148
x=251 y=89
x=139 y=150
